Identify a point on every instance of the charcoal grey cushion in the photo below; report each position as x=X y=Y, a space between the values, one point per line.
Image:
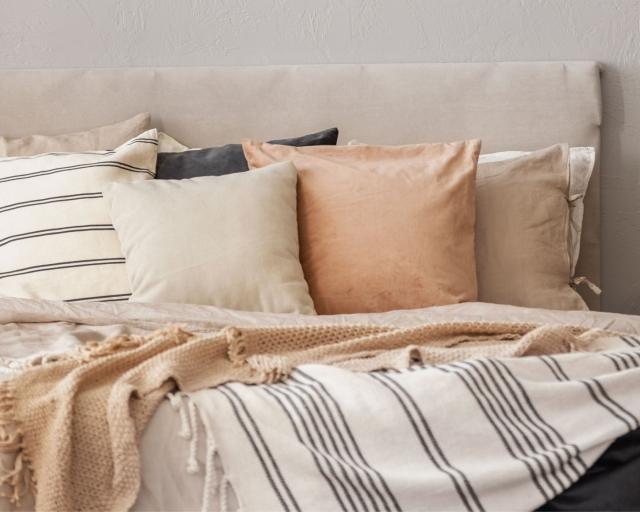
x=227 y=159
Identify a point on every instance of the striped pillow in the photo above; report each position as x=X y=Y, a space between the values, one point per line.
x=56 y=237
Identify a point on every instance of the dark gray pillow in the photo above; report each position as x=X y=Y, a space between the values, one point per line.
x=226 y=159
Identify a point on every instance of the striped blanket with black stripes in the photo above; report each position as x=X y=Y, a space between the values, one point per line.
x=481 y=434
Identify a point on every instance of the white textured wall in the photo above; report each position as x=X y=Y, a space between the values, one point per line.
x=87 y=33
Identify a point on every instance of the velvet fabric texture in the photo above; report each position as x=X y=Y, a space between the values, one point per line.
x=226 y=159
x=383 y=227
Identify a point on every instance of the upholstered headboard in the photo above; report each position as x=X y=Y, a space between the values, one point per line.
x=507 y=105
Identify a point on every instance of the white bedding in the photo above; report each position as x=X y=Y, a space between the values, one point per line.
x=31 y=328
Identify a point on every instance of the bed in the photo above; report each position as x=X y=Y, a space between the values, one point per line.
x=510 y=105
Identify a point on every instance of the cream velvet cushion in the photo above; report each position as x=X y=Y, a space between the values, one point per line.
x=383 y=227
x=101 y=138
x=228 y=241
x=522 y=231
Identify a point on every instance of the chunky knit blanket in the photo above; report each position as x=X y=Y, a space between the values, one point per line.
x=74 y=420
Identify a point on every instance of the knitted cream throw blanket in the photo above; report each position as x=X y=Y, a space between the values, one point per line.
x=74 y=421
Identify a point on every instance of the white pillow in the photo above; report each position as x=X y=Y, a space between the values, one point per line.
x=229 y=241
x=56 y=237
x=581 y=163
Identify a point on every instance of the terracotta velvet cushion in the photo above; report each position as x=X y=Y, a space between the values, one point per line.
x=383 y=227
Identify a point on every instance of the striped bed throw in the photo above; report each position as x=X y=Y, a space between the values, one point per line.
x=56 y=238
x=481 y=434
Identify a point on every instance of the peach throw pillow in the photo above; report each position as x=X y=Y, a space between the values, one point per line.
x=383 y=227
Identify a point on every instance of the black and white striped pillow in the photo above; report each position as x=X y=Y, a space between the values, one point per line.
x=56 y=237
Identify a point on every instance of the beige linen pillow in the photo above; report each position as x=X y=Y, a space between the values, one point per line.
x=581 y=163
x=522 y=231
x=97 y=139
x=383 y=227
x=229 y=241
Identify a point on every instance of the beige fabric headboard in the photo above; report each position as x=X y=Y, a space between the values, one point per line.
x=507 y=105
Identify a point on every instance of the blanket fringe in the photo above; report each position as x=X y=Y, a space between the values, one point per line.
x=237 y=345
x=189 y=415
x=192 y=464
x=176 y=403
x=224 y=494
x=271 y=369
x=188 y=427
x=96 y=349
x=92 y=350
x=20 y=477
x=210 y=473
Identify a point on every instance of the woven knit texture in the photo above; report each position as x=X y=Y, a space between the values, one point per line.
x=74 y=421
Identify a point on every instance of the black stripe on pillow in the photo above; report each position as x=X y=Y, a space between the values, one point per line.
x=62 y=153
x=143 y=140
x=55 y=231
x=62 y=265
x=116 y=297
x=48 y=200
x=68 y=168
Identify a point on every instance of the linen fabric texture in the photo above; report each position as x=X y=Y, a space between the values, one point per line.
x=96 y=139
x=383 y=227
x=225 y=159
x=522 y=231
x=581 y=164
x=167 y=144
x=228 y=241
x=56 y=238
